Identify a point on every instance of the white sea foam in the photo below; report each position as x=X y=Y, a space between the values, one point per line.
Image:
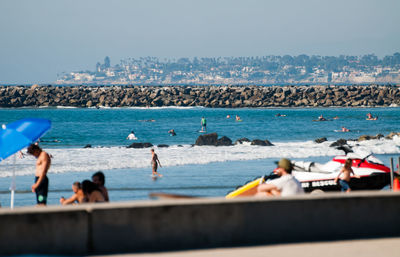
x=108 y=158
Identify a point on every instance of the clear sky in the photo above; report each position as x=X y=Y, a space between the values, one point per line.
x=41 y=38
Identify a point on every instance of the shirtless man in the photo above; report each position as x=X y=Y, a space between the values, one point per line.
x=154 y=163
x=43 y=163
x=345 y=179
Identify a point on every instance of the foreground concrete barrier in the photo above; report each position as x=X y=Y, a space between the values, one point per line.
x=197 y=223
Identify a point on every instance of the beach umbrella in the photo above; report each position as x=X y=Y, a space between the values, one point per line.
x=18 y=135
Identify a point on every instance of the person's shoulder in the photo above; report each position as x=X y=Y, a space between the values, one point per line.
x=276 y=180
x=44 y=155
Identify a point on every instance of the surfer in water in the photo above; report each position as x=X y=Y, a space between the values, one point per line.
x=172 y=133
x=154 y=163
x=345 y=129
x=132 y=136
x=238 y=118
x=321 y=118
x=203 y=124
x=370 y=117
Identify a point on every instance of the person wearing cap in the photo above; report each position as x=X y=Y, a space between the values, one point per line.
x=285 y=185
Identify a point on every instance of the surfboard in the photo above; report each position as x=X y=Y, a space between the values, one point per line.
x=248 y=189
x=202 y=131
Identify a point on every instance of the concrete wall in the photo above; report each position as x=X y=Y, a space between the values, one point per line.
x=197 y=223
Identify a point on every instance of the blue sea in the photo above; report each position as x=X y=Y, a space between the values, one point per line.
x=191 y=170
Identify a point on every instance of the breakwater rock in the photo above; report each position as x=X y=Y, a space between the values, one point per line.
x=207 y=96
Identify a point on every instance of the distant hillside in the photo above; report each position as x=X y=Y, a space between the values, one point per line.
x=301 y=69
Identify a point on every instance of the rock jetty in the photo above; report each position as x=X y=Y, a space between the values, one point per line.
x=207 y=96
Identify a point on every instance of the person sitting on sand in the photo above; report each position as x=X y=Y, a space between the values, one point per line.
x=92 y=192
x=285 y=185
x=345 y=129
x=99 y=179
x=77 y=197
x=345 y=179
x=172 y=133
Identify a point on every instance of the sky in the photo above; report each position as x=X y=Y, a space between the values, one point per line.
x=42 y=38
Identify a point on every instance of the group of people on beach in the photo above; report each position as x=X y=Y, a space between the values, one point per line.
x=88 y=191
x=94 y=191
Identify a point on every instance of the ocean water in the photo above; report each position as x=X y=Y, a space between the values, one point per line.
x=187 y=169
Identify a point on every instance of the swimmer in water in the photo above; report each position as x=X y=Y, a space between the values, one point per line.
x=172 y=132
x=345 y=129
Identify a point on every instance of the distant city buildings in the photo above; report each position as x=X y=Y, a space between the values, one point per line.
x=300 y=69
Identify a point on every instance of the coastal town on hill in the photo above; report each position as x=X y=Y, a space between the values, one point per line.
x=301 y=69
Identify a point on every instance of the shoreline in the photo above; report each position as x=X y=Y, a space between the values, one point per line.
x=199 y=96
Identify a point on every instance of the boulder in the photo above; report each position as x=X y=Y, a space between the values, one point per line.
x=339 y=142
x=224 y=141
x=241 y=140
x=140 y=145
x=364 y=137
x=378 y=136
x=320 y=140
x=261 y=142
x=207 y=139
x=268 y=142
x=392 y=134
x=162 y=145
x=88 y=146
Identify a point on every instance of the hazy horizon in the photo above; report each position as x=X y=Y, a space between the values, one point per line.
x=41 y=39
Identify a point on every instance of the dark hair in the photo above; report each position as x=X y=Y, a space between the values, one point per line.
x=77 y=184
x=101 y=177
x=88 y=187
x=32 y=148
x=348 y=163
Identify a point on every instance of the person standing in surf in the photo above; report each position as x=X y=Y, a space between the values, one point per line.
x=203 y=124
x=154 y=163
x=41 y=185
